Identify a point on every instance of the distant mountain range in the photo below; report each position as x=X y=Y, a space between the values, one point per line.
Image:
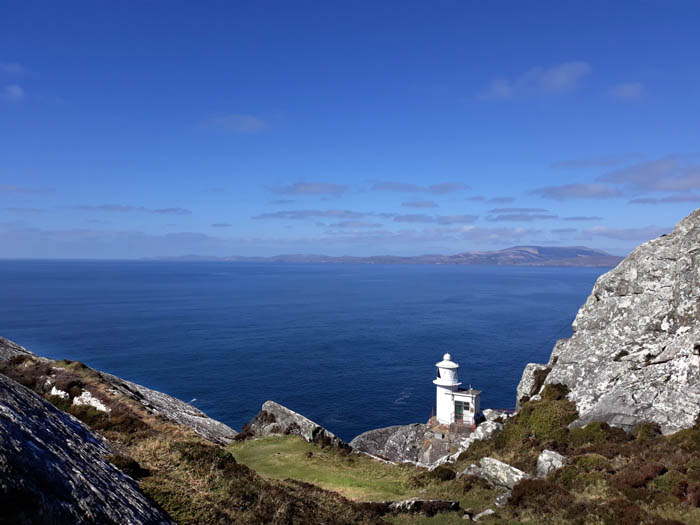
x=515 y=256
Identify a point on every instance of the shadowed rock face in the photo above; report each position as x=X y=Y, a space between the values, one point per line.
x=155 y=402
x=275 y=419
x=9 y=349
x=634 y=355
x=52 y=468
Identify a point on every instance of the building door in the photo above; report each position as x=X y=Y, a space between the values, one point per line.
x=459 y=411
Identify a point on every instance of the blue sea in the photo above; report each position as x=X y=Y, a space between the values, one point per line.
x=352 y=347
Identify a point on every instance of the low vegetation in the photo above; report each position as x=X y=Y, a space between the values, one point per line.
x=192 y=479
x=611 y=477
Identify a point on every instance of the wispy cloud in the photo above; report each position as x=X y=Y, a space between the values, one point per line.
x=577 y=191
x=23 y=210
x=556 y=79
x=420 y=204
x=7 y=188
x=476 y=198
x=520 y=217
x=172 y=211
x=126 y=208
x=628 y=91
x=564 y=231
x=13 y=93
x=414 y=217
x=308 y=214
x=221 y=225
x=518 y=210
x=595 y=162
x=583 y=218
x=627 y=234
x=501 y=200
x=403 y=187
x=671 y=173
x=440 y=219
x=236 y=123
x=457 y=219
x=309 y=188
x=12 y=69
x=678 y=197
x=355 y=224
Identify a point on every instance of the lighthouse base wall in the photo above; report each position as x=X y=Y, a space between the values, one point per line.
x=444 y=405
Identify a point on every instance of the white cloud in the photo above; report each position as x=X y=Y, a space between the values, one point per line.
x=556 y=79
x=13 y=93
x=12 y=69
x=628 y=91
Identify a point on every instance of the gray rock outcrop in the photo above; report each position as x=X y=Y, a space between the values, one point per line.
x=549 y=461
x=173 y=409
x=484 y=431
x=10 y=349
x=398 y=443
x=155 y=402
x=429 y=507
x=634 y=355
x=275 y=419
x=53 y=469
x=496 y=472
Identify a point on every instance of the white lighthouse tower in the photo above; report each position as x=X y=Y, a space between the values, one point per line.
x=454 y=404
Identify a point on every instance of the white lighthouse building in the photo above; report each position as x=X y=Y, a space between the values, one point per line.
x=454 y=404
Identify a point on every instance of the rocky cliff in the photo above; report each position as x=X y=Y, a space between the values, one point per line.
x=53 y=469
x=634 y=352
x=155 y=402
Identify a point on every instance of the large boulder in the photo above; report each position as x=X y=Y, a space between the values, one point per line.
x=634 y=353
x=548 y=461
x=275 y=419
x=54 y=470
x=398 y=443
x=496 y=472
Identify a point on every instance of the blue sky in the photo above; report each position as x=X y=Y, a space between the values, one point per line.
x=132 y=129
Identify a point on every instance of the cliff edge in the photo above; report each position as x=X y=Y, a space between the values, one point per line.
x=634 y=355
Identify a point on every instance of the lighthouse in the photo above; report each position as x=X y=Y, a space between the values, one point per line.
x=454 y=404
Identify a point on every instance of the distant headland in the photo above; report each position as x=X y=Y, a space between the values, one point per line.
x=515 y=256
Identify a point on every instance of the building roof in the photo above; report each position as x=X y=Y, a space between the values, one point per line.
x=447 y=362
x=468 y=391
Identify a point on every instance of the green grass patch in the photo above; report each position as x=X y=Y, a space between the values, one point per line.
x=355 y=476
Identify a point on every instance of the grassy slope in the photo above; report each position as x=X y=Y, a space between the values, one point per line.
x=193 y=480
x=612 y=477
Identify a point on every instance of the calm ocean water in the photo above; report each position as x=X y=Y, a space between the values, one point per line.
x=352 y=347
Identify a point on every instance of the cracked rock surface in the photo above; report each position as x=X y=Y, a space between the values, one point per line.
x=52 y=468
x=634 y=355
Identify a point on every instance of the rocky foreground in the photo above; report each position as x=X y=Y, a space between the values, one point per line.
x=53 y=469
x=634 y=355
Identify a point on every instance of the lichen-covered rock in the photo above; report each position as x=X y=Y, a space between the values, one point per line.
x=548 y=461
x=634 y=353
x=401 y=443
x=52 y=468
x=496 y=472
x=532 y=380
x=429 y=507
x=275 y=419
x=485 y=430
